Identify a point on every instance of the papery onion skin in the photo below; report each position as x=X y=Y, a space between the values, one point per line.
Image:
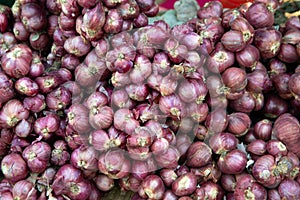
x=14 y=167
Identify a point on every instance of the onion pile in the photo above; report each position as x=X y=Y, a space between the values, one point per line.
x=93 y=97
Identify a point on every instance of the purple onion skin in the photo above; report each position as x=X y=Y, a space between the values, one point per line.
x=85 y=158
x=184 y=184
x=104 y=183
x=14 y=63
x=6 y=88
x=24 y=189
x=289 y=189
x=14 y=167
x=259 y=16
x=69 y=181
x=198 y=155
x=60 y=155
x=37 y=156
x=233 y=162
x=152 y=187
x=33 y=17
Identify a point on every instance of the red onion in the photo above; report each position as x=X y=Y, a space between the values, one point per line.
x=276 y=148
x=198 y=112
x=6 y=88
x=192 y=90
x=16 y=64
x=233 y=162
x=273 y=194
x=248 y=56
x=130 y=183
x=264 y=171
x=101 y=117
x=274 y=106
x=216 y=120
x=141 y=137
x=233 y=41
x=247 y=187
x=209 y=190
x=228 y=182
x=39 y=41
x=37 y=156
x=46 y=126
x=69 y=181
x=220 y=143
x=220 y=59
x=14 y=167
x=184 y=184
x=77 y=46
x=229 y=16
x=104 y=183
x=235 y=79
x=11 y=113
x=263 y=129
x=152 y=187
x=198 y=155
x=70 y=8
x=35 y=104
x=78 y=118
x=171 y=105
x=141 y=69
x=58 y=99
x=268 y=42
x=85 y=158
x=33 y=17
x=257 y=80
x=7 y=41
x=37 y=68
x=114 y=164
x=259 y=15
x=20 y=31
x=285 y=125
x=289 y=189
x=93 y=21
x=168 y=176
x=169 y=159
x=210 y=9
x=238 y=123
x=113 y=22
x=288 y=53
x=120 y=79
x=257 y=147
x=24 y=189
x=169 y=195
x=60 y=155
x=246 y=103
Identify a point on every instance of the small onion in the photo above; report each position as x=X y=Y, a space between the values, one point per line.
x=14 y=167
x=233 y=162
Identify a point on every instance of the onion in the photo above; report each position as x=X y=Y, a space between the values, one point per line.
x=14 y=167
x=259 y=15
x=233 y=162
x=104 y=183
x=152 y=187
x=37 y=156
x=24 y=190
x=85 y=158
x=268 y=42
x=198 y=155
x=11 y=113
x=17 y=64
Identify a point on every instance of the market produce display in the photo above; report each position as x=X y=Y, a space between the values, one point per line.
x=99 y=100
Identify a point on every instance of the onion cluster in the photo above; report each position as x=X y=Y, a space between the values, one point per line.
x=92 y=97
